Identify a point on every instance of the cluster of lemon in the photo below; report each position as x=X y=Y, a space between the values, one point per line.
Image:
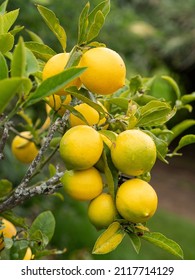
x=133 y=152
x=8 y=230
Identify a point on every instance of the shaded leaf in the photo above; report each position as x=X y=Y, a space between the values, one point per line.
x=164 y=243
x=53 y=23
x=18 y=250
x=121 y=102
x=187 y=98
x=174 y=85
x=3 y=67
x=135 y=241
x=109 y=239
x=5 y=187
x=10 y=87
x=45 y=223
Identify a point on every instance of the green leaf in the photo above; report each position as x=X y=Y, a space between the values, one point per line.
x=53 y=23
x=3 y=7
x=95 y=26
x=6 y=42
x=40 y=50
x=187 y=98
x=180 y=128
x=135 y=84
x=5 y=187
x=184 y=141
x=15 y=219
x=18 y=63
x=121 y=102
x=32 y=65
x=10 y=87
x=154 y=112
x=3 y=67
x=83 y=24
x=7 y=20
x=109 y=239
x=52 y=85
x=164 y=243
x=174 y=85
x=34 y=37
x=135 y=241
x=45 y=223
x=18 y=249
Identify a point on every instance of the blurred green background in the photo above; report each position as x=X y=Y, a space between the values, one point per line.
x=155 y=38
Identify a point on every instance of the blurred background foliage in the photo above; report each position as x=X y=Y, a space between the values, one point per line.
x=155 y=38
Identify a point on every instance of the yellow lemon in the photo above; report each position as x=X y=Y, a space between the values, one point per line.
x=23 y=149
x=102 y=211
x=28 y=254
x=81 y=147
x=54 y=66
x=133 y=152
x=82 y=184
x=105 y=71
x=136 y=200
x=56 y=103
x=8 y=231
x=89 y=113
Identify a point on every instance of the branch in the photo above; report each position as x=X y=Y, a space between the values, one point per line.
x=21 y=194
x=4 y=138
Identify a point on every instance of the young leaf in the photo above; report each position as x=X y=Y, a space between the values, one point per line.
x=121 y=102
x=3 y=67
x=104 y=7
x=135 y=241
x=40 y=50
x=3 y=7
x=180 y=128
x=95 y=26
x=53 y=23
x=18 y=64
x=52 y=85
x=184 y=141
x=32 y=65
x=34 y=37
x=164 y=243
x=45 y=223
x=187 y=98
x=174 y=85
x=7 y=20
x=6 y=42
x=83 y=24
x=10 y=87
x=109 y=239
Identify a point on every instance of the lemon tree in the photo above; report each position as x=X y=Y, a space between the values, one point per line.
x=100 y=135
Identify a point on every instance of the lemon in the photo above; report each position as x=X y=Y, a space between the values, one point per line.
x=136 y=200
x=102 y=211
x=89 y=113
x=28 y=254
x=133 y=152
x=81 y=147
x=24 y=150
x=54 y=66
x=82 y=184
x=105 y=71
x=8 y=231
x=56 y=103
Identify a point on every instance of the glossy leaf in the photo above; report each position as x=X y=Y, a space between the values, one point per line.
x=45 y=223
x=109 y=239
x=184 y=141
x=7 y=20
x=52 y=85
x=163 y=242
x=3 y=67
x=18 y=64
x=10 y=87
x=6 y=42
x=40 y=50
x=53 y=23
